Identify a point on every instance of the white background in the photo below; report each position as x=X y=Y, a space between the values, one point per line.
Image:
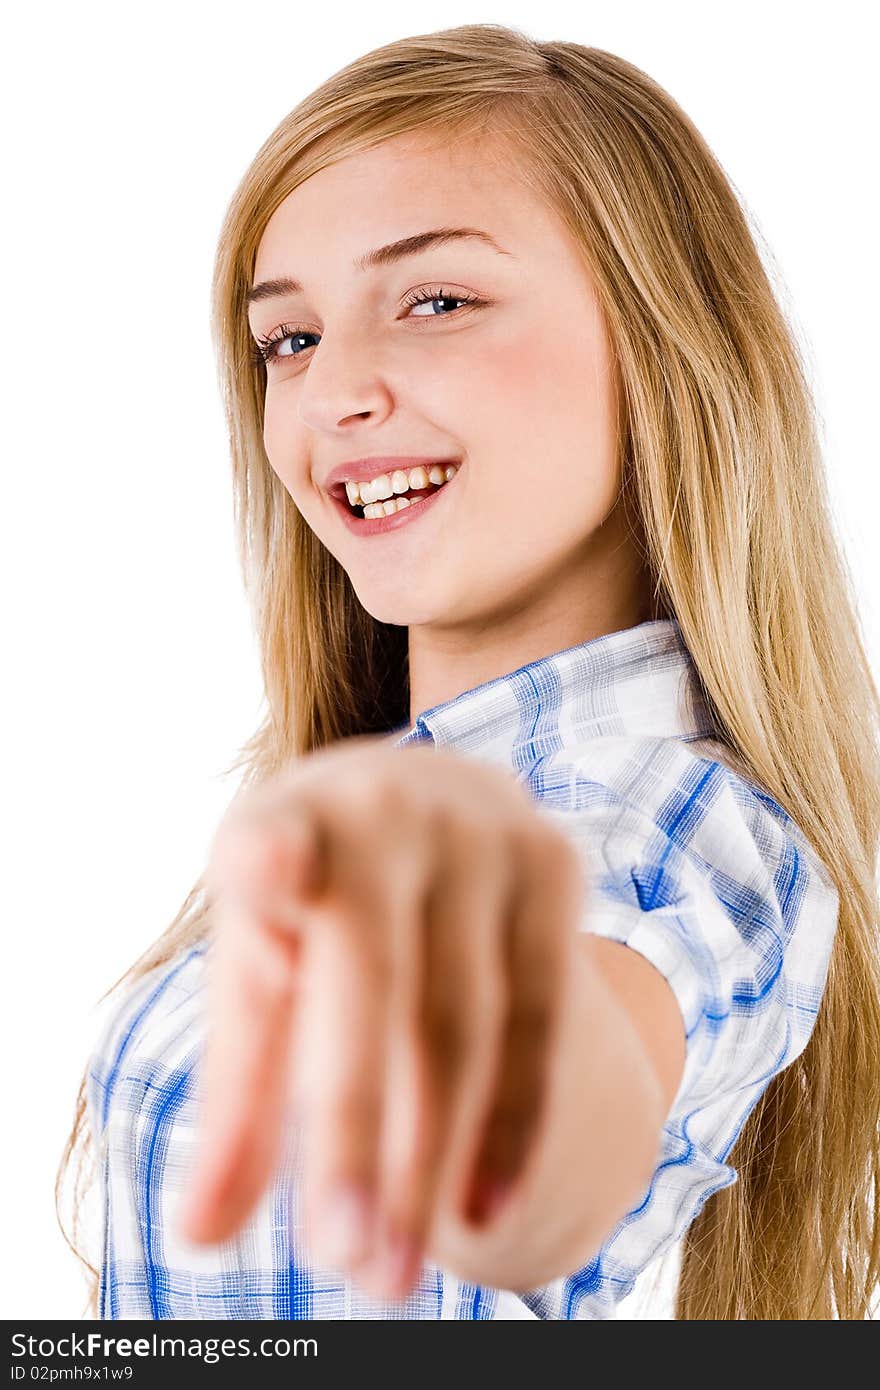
x=133 y=675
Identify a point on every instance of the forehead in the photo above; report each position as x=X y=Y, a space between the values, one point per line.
x=405 y=185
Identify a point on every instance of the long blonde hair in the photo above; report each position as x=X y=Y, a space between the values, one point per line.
x=721 y=450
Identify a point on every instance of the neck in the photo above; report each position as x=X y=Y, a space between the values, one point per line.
x=446 y=661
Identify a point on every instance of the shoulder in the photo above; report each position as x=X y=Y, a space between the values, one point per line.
x=689 y=863
x=687 y=812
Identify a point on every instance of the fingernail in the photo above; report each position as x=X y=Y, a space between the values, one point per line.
x=344 y=1233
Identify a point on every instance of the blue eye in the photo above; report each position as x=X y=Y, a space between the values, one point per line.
x=268 y=349
x=437 y=297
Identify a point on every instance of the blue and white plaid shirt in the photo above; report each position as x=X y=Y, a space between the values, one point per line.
x=689 y=863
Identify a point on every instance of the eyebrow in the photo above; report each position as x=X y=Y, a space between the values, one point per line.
x=381 y=256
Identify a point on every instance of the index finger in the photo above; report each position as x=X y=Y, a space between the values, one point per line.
x=252 y=983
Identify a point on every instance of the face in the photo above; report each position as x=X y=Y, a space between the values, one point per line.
x=494 y=357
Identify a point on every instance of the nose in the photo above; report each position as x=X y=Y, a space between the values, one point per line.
x=343 y=383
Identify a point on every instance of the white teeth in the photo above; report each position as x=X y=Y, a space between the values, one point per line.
x=376 y=488
x=396 y=504
x=385 y=486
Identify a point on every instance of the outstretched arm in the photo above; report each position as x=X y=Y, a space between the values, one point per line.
x=403 y=929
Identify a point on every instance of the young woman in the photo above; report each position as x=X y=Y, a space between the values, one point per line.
x=542 y=933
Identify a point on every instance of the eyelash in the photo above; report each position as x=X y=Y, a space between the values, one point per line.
x=266 y=350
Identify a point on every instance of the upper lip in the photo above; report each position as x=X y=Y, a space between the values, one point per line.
x=360 y=470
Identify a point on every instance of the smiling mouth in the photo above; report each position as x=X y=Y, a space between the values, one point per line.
x=409 y=497
x=397 y=501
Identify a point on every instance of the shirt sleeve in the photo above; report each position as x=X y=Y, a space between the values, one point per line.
x=712 y=882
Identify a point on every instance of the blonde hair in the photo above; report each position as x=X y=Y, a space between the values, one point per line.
x=720 y=450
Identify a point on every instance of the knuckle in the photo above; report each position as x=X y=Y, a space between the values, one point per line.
x=392 y=800
x=248 y=850
x=268 y=852
x=437 y=819
x=370 y=796
x=476 y=844
x=463 y=818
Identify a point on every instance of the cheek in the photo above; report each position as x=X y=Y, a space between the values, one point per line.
x=547 y=416
x=559 y=388
x=280 y=445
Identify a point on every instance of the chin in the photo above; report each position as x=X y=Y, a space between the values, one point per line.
x=397 y=609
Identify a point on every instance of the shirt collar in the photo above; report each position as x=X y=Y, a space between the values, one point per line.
x=640 y=681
